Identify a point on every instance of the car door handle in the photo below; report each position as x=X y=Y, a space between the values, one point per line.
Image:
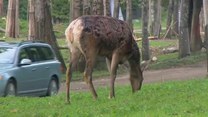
x=34 y=69
x=47 y=67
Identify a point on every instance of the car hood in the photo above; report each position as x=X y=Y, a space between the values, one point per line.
x=4 y=67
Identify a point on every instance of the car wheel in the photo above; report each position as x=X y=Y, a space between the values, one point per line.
x=53 y=88
x=10 y=89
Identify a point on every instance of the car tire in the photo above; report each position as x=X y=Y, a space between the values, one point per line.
x=52 y=88
x=10 y=89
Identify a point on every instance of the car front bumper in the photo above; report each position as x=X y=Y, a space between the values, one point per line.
x=3 y=84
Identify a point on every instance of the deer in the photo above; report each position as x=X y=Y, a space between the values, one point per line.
x=92 y=36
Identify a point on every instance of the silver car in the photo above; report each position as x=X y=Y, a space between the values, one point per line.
x=28 y=68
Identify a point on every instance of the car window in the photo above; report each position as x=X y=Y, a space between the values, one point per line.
x=46 y=53
x=23 y=54
x=37 y=53
x=34 y=54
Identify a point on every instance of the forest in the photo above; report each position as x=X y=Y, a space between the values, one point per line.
x=175 y=80
x=158 y=19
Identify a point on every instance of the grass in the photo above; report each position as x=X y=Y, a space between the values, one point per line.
x=173 y=98
x=171 y=60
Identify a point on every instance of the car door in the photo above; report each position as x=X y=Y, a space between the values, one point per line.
x=26 y=73
x=31 y=77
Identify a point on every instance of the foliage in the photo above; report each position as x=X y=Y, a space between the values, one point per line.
x=22 y=8
x=60 y=10
x=176 y=98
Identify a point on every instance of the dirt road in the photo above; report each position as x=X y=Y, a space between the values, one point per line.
x=182 y=73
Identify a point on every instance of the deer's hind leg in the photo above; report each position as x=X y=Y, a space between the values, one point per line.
x=74 y=57
x=90 y=57
x=113 y=71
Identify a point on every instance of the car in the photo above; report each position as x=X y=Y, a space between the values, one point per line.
x=28 y=68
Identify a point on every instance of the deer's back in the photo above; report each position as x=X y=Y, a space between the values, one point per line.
x=105 y=34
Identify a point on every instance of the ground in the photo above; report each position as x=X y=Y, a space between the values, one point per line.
x=181 y=73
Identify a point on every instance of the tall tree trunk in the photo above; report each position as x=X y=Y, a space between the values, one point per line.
x=43 y=27
x=155 y=17
x=145 y=40
x=1 y=8
x=195 y=40
x=12 y=23
x=86 y=7
x=184 y=46
x=129 y=13
x=205 y=6
x=169 y=19
x=75 y=9
x=106 y=7
x=31 y=15
x=97 y=7
x=176 y=17
x=116 y=9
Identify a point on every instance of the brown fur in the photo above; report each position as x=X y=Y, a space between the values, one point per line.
x=94 y=36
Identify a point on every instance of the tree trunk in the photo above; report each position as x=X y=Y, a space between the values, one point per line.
x=106 y=7
x=184 y=46
x=86 y=7
x=1 y=8
x=12 y=23
x=169 y=19
x=75 y=9
x=176 y=16
x=31 y=15
x=97 y=7
x=195 y=40
x=116 y=9
x=155 y=17
x=129 y=13
x=43 y=27
x=205 y=6
x=145 y=40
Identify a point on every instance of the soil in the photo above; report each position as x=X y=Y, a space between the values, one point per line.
x=181 y=73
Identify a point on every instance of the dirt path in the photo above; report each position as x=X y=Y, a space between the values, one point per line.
x=182 y=73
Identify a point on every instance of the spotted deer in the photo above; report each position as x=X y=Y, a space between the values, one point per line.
x=93 y=36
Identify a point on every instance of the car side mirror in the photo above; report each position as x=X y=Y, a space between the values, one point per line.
x=25 y=62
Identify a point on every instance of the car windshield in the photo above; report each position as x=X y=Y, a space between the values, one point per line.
x=7 y=55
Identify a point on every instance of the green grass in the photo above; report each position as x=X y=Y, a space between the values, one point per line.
x=176 y=98
x=171 y=60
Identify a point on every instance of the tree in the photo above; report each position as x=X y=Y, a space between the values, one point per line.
x=205 y=7
x=97 y=7
x=75 y=9
x=116 y=8
x=184 y=46
x=169 y=18
x=155 y=17
x=86 y=7
x=106 y=8
x=1 y=7
x=31 y=24
x=195 y=40
x=12 y=22
x=129 y=13
x=43 y=26
x=175 y=17
x=145 y=41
